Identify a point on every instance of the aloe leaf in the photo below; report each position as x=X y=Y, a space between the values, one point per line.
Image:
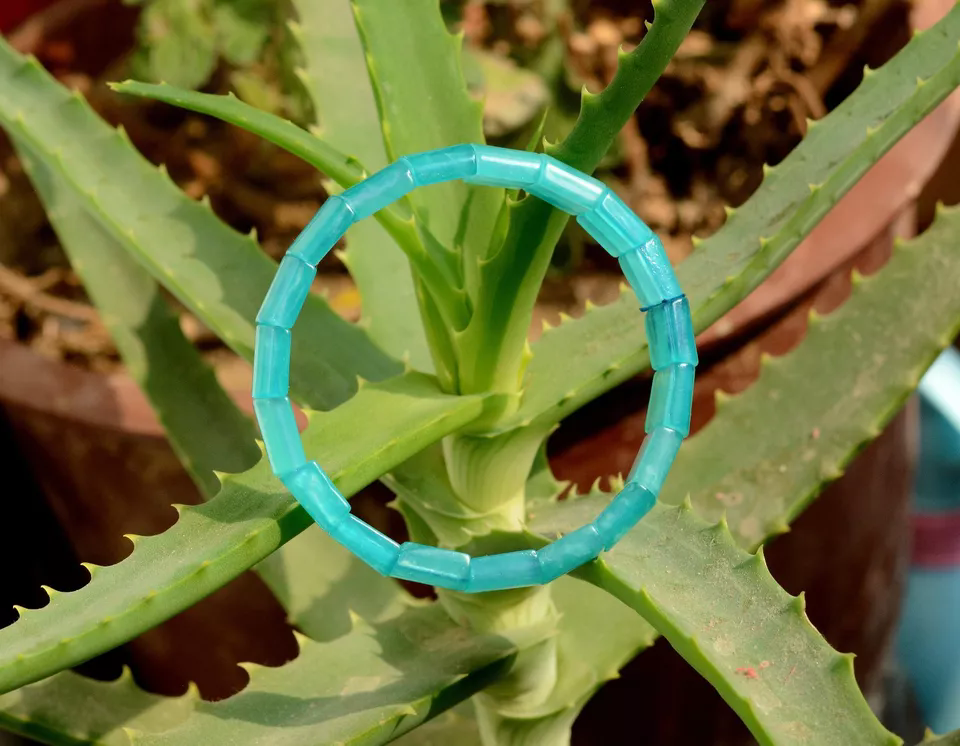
x=322 y=585
x=213 y=543
x=217 y=273
x=578 y=360
x=71 y=710
x=950 y=739
x=335 y=76
x=836 y=391
x=513 y=272
x=366 y=687
x=720 y=608
x=774 y=446
x=416 y=72
x=205 y=427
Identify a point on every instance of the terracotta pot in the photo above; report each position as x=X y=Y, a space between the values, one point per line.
x=100 y=459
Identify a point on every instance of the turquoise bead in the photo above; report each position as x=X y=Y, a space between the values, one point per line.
x=271 y=362
x=287 y=293
x=670 y=398
x=649 y=273
x=514 y=169
x=498 y=572
x=433 y=566
x=669 y=326
x=615 y=226
x=323 y=231
x=377 y=550
x=670 y=334
x=566 y=188
x=318 y=495
x=444 y=164
x=381 y=189
x=569 y=552
x=280 y=435
x=623 y=513
x=655 y=458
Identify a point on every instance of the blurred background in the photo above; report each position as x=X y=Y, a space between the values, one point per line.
x=85 y=458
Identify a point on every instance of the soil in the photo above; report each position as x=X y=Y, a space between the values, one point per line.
x=737 y=95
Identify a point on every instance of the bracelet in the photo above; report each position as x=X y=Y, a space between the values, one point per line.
x=673 y=357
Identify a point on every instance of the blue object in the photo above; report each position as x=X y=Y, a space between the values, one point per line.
x=928 y=641
x=673 y=355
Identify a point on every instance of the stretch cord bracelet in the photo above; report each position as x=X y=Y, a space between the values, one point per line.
x=673 y=356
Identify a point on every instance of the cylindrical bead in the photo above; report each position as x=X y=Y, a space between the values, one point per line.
x=377 y=550
x=497 y=167
x=280 y=435
x=377 y=191
x=569 y=552
x=655 y=458
x=623 y=513
x=566 y=188
x=497 y=572
x=287 y=293
x=670 y=334
x=670 y=398
x=431 y=565
x=318 y=495
x=321 y=234
x=271 y=362
x=649 y=273
x=615 y=226
x=444 y=164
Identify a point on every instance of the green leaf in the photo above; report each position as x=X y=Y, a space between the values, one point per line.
x=805 y=417
x=212 y=543
x=218 y=274
x=205 y=427
x=577 y=361
x=951 y=739
x=242 y=28
x=720 y=608
x=366 y=687
x=178 y=42
x=71 y=710
x=335 y=76
x=512 y=95
x=415 y=68
x=514 y=268
x=774 y=447
x=321 y=585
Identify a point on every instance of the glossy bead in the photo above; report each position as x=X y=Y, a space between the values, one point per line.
x=318 y=495
x=649 y=273
x=377 y=550
x=670 y=398
x=444 y=164
x=271 y=362
x=623 y=513
x=655 y=458
x=323 y=231
x=377 y=191
x=615 y=226
x=569 y=552
x=670 y=334
x=506 y=168
x=497 y=572
x=280 y=435
x=287 y=293
x=566 y=188
x=669 y=326
x=433 y=566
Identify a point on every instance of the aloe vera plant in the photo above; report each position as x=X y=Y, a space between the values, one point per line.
x=438 y=394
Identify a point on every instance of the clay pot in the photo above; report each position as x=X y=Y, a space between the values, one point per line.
x=98 y=456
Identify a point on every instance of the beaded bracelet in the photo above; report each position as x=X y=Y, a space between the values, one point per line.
x=673 y=356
